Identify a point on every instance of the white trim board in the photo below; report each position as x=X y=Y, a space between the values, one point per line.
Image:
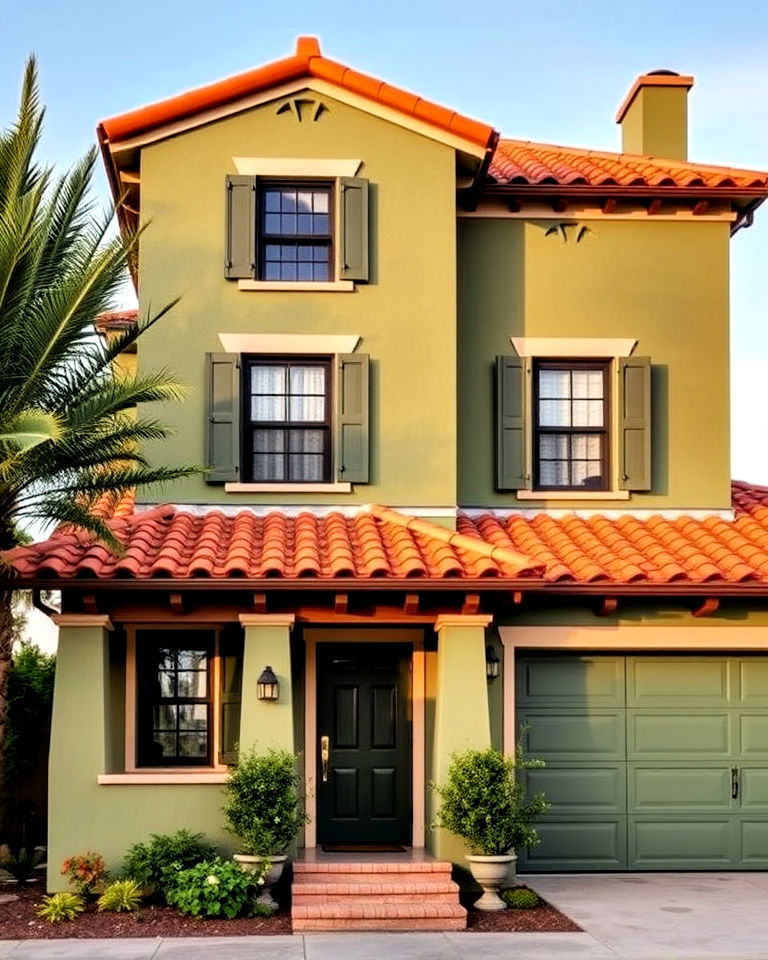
x=296 y=167
x=573 y=346
x=288 y=343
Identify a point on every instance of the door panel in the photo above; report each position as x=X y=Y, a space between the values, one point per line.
x=667 y=736
x=574 y=735
x=362 y=707
x=676 y=789
x=577 y=680
x=681 y=844
x=678 y=681
x=579 y=844
x=581 y=789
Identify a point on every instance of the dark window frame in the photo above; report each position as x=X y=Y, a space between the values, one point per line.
x=249 y=426
x=605 y=431
x=263 y=238
x=148 y=641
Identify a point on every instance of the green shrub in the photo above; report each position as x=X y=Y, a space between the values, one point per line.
x=154 y=865
x=521 y=898
x=61 y=906
x=483 y=803
x=120 y=895
x=85 y=871
x=30 y=695
x=21 y=865
x=214 y=888
x=262 y=804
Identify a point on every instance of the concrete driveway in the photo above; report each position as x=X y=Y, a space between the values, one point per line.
x=648 y=916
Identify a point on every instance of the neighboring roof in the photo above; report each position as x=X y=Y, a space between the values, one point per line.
x=380 y=545
x=307 y=61
x=116 y=320
x=540 y=164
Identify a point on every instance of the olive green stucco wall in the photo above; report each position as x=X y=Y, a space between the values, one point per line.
x=405 y=315
x=663 y=283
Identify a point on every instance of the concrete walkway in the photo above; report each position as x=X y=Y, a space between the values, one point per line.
x=699 y=916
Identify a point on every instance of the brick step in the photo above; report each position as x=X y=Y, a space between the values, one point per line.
x=353 y=909
x=397 y=896
x=379 y=888
x=439 y=923
x=353 y=879
x=302 y=867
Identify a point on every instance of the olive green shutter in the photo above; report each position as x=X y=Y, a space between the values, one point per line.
x=511 y=433
x=240 y=239
x=230 y=693
x=352 y=441
x=354 y=228
x=634 y=423
x=222 y=453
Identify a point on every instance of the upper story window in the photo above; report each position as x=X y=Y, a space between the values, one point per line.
x=296 y=232
x=571 y=426
x=288 y=404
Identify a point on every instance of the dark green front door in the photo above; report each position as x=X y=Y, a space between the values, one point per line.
x=364 y=785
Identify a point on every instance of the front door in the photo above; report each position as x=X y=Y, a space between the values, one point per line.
x=364 y=743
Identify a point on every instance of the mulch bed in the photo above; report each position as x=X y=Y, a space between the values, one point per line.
x=18 y=922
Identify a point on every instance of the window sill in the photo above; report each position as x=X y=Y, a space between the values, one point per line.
x=572 y=494
x=288 y=488
x=136 y=779
x=288 y=286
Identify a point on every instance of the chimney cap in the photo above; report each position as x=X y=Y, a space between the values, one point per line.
x=656 y=78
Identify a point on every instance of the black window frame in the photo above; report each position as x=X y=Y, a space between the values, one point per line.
x=147 y=694
x=604 y=366
x=263 y=238
x=249 y=426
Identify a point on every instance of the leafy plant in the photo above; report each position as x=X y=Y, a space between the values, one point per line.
x=120 y=895
x=21 y=865
x=262 y=805
x=155 y=864
x=30 y=696
x=85 y=871
x=520 y=898
x=61 y=906
x=214 y=888
x=483 y=802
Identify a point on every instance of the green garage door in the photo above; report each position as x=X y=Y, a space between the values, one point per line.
x=652 y=762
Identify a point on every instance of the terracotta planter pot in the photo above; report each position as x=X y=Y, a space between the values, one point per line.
x=490 y=873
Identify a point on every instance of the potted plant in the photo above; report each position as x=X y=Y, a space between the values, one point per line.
x=483 y=803
x=263 y=809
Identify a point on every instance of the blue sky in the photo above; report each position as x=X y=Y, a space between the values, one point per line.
x=554 y=72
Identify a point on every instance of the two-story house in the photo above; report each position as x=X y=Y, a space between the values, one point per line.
x=463 y=405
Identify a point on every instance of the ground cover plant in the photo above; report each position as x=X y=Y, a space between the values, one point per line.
x=120 y=895
x=155 y=863
x=520 y=898
x=61 y=906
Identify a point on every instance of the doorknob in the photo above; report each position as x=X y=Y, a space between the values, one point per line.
x=325 y=753
x=734 y=782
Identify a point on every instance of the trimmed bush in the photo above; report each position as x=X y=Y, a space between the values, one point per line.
x=520 y=898
x=155 y=864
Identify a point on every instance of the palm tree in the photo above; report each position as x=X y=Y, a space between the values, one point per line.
x=69 y=431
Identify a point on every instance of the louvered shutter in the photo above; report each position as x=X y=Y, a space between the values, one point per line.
x=222 y=454
x=230 y=692
x=354 y=229
x=352 y=440
x=240 y=238
x=634 y=423
x=511 y=433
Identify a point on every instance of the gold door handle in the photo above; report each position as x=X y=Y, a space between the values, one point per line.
x=325 y=753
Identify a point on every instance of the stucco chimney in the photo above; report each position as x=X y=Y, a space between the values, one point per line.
x=654 y=115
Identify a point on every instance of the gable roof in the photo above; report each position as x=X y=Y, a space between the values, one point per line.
x=382 y=545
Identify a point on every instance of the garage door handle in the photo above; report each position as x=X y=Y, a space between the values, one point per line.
x=734 y=782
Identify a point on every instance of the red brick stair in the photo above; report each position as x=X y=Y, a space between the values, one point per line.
x=375 y=895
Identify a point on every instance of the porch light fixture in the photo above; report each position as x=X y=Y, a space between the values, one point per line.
x=491 y=663
x=268 y=686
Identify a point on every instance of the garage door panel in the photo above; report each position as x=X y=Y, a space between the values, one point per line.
x=753 y=735
x=753 y=682
x=679 y=681
x=677 y=736
x=566 y=681
x=581 y=789
x=753 y=788
x=574 y=735
x=579 y=845
x=676 y=789
x=753 y=835
x=668 y=844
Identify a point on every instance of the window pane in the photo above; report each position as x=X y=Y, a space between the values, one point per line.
x=308 y=380
x=310 y=409
x=304 y=223
x=267 y=379
x=268 y=409
x=167 y=683
x=272 y=201
x=164 y=716
x=305 y=252
x=287 y=223
x=269 y=441
x=305 y=272
x=320 y=224
x=191 y=683
x=164 y=745
x=306 y=441
x=320 y=202
x=588 y=384
x=553 y=473
x=193 y=716
x=553 y=446
x=288 y=200
x=586 y=474
x=272 y=223
x=554 y=384
x=587 y=413
x=586 y=447
x=288 y=271
x=304 y=201
x=320 y=272
x=192 y=659
x=271 y=271
x=305 y=467
x=193 y=746
x=268 y=467
x=555 y=413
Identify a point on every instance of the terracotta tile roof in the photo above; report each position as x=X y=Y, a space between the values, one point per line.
x=168 y=542
x=115 y=320
x=379 y=543
x=538 y=164
x=307 y=61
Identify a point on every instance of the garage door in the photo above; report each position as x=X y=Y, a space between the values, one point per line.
x=652 y=762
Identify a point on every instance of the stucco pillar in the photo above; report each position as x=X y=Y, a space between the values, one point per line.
x=265 y=724
x=461 y=706
x=78 y=751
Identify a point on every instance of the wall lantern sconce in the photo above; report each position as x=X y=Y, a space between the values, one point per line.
x=268 y=686
x=491 y=663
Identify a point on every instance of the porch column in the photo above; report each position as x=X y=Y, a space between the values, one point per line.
x=79 y=741
x=461 y=706
x=265 y=723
